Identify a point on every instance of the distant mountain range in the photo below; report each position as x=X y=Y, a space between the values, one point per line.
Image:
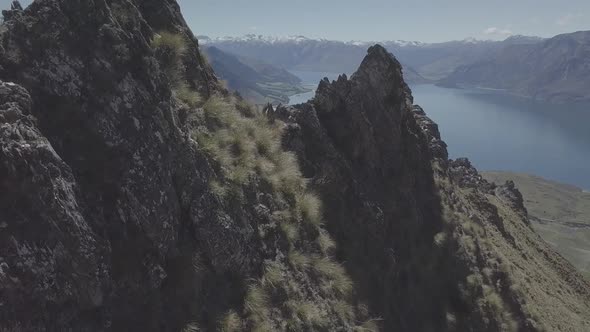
x=422 y=62
x=305 y=54
x=255 y=80
x=556 y=69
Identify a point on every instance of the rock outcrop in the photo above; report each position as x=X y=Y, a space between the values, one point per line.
x=92 y=203
x=137 y=194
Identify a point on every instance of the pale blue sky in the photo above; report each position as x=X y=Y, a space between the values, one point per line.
x=374 y=20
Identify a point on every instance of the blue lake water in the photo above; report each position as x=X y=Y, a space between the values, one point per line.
x=501 y=132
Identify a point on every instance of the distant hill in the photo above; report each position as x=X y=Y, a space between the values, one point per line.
x=255 y=80
x=438 y=60
x=556 y=69
x=560 y=214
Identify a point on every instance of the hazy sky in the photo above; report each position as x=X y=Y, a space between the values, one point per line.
x=374 y=20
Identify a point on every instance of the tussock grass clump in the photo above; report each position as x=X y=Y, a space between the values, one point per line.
x=299 y=261
x=309 y=206
x=217 y=188
x=173 y=41
x=440 y=239
x=188 y=96
x=287 y=177
x=273 y=275
x=290 y=230
x=308 y=312
x=231 y=322
x=344 y=310
x=368 y=326
x=170 y=49
x=220 y=113
x=493 y=303
x=257 y=302
x=191 y=327
x=336 y=280
x=325 y=242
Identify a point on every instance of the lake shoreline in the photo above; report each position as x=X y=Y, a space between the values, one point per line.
x=498 y=131
x=544 y=99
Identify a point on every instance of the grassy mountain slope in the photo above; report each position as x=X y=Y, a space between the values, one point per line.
x=559 y=212
x=554 y=70
x=256 y=81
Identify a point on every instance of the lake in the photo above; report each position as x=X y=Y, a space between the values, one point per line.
x=504 y=133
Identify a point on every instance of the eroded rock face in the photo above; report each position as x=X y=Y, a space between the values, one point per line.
x=50 y=256
x=104 y=195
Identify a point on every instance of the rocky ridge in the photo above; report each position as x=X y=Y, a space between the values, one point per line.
x=124 y=207
x=432 y=244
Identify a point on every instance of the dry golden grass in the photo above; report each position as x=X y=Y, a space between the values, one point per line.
x=257 y=301
x=368 y=326
x=173 y=41
x=299 y=261
x=309 y=207
x=273 y=275
x=336 y=280
x=326 y=243
x=308 y=312
x=188 y=96
x=245 y=150
x=231 y=322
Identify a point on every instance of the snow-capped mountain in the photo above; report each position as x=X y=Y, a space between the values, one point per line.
x=297 y=39
x=253 y=38
x=433 y=61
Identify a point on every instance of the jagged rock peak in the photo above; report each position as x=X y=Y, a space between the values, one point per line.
x=16 y=5
x=366 y=114
x=378 y=81
x=378 y=53
x=381 y=68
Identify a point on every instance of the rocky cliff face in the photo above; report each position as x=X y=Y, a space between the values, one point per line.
x=129 y=204
x=118 y=211
x=92 y=203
